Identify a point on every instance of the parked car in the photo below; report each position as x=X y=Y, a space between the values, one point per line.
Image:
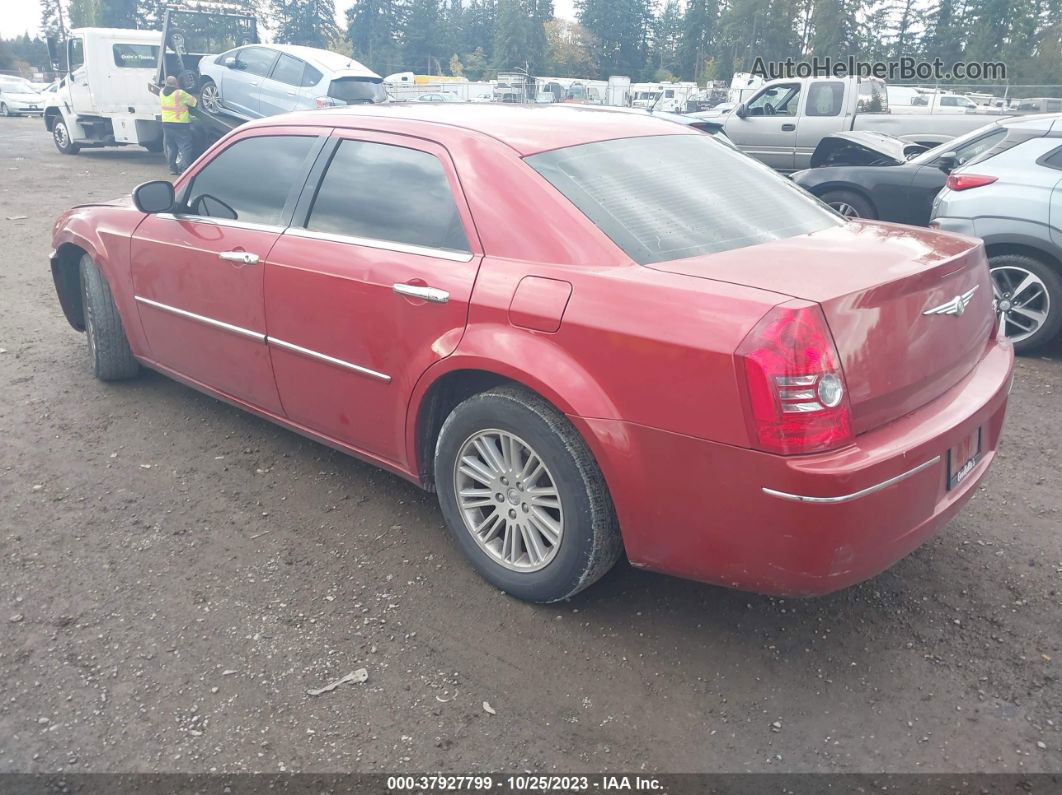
x=784 y=121
x=264 y=80
x=871 y=175
x=439 y=96
x=588 y=332
x=1013 y=202
x=18 y=97
x=482 y=96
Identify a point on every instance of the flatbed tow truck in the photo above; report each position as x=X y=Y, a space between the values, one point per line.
x=108 y=95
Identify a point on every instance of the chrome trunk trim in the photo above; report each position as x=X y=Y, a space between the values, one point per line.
x=855 y=495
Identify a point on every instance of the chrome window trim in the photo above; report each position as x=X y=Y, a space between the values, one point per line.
x=855 y=495
x=385 y=245
x=209 y=321
x=206 y=219
x=357 y=368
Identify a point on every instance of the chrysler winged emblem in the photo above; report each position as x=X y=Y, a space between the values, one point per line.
x=956 y=306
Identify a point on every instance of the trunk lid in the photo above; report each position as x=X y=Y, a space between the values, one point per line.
x=875 y=283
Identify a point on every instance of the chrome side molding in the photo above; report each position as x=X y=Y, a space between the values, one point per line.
x=323 y=357
x=783 y=495
x=209 y=321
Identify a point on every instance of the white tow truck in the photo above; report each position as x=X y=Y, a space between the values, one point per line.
x=104 y=99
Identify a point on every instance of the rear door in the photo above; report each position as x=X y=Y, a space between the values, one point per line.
x=198 y=274
x=369 y=287
x=278 y=93
x=1053 y=161
x=241 y=85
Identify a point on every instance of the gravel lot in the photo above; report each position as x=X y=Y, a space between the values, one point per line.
x=175 y=574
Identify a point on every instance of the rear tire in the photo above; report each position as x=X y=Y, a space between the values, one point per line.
x=63 y=142
x=849 y=204
x=109 y=352
x=569 y=498
x=1024 y=288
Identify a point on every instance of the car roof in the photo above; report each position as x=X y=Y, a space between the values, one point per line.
x=526 y=128
x=333 y=61
x=1039 y=121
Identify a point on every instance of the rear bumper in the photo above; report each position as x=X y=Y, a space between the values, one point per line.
x=804 y=525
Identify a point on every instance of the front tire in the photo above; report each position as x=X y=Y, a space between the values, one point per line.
x=5 y=111
x=849 y=204
x=209 y=96
x=63 y=142
x=109 y=352
x=523 y=496
x=1027 y=296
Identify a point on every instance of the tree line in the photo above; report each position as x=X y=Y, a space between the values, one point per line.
x=661 y=40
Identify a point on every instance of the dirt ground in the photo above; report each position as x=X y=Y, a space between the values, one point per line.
x=175 y=574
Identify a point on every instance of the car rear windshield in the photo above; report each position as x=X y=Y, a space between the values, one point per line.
x=669 y=197
x=357 y=89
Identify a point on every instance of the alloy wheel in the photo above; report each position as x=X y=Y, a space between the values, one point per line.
x=509 y=500
x=61 y=138
x=1021 y=301
x=845 y=209
x=209 y=98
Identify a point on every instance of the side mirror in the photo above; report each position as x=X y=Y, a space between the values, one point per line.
x=229 y=61
x=154 y=197
x=947 y=162
x=741 y=111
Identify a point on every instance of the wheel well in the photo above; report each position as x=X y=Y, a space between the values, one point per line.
x=997 y=249
x=66 y=273
x=844 y=187
x=442 y=397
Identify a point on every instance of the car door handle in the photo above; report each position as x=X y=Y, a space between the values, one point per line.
x=245 y=257
x=291 y=93
x=788 y=127
x=432 y=294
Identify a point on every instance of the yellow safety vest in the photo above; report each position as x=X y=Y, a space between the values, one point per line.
x=175 y=106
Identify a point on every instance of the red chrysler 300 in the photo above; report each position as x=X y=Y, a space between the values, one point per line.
x=590 y=332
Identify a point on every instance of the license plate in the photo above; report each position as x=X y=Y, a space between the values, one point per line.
x=963 y=457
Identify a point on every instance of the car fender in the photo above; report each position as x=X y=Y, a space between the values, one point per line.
x=1000 y=232
x=532 y=359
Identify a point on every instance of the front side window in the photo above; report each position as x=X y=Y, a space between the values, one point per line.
x=776 y=101
x=135 y=56
x=76 y=54
x=250 y=181
x=255 y=60
x=668 y=197
x=288 y=70
x=388 y=193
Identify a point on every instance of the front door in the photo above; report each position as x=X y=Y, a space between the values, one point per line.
x=78 y=78
x=371 y=289
x=198 y=273
x=769 y=130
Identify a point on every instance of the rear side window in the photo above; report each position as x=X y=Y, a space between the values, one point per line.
x=250 y=181
x=288 y=70
x=668 y=197
x=135 y=56
x=825 y=99
x=1052 y=160
x=310 y=77
x=388 y=193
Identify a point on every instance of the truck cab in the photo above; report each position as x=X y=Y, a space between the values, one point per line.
x=104 y=99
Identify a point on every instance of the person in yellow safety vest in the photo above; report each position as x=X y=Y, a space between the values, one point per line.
x=177 y=125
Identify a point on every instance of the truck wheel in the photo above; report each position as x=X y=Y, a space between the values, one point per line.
x=523 y=496
x=209 y=96
x=1027 y=296
x=63 y=142
x=849 y=204
x=112 y=360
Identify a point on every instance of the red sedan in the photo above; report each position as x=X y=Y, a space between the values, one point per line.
x=591 y=333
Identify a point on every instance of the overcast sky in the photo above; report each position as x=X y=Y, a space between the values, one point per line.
x=20 y=16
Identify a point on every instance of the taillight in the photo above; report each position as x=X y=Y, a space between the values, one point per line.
x=967 y=181
x=796 y=392
x=326 y=102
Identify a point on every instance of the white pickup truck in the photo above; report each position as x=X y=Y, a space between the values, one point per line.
x=783 y=122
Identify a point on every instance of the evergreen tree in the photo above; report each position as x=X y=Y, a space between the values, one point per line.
x=621 y=30
x=308 y=22
x=371 y=29
x=943 y=37
x=423 y=48
x=667 y=36
x=698 y=37
x=53 y=21
x=477 y=27
x=512 y=37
